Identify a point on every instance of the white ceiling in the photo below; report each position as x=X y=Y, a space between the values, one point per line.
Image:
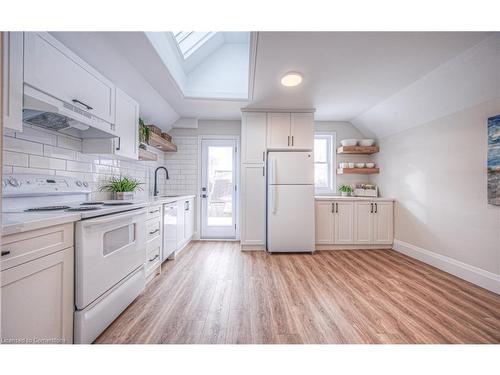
x=345 y=74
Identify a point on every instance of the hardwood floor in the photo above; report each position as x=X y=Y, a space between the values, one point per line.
x=214 y=293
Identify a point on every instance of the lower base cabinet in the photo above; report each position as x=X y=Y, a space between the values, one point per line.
x=253 y=206
x=354 y=222
x=37 y=295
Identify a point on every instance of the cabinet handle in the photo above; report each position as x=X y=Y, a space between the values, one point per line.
x=153 y=259
x=376 y=208
x=371 y=205
x=5 y=252
x=333 y=208
x=292 y=140
x=336 y=207
x=155 y=231
x=263 y=171
x=152 y=212
x=263 y=156
x=82 y=103
x=288 y=141
x=119 y=143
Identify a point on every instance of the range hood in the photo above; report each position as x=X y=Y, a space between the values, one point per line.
x=45 y=111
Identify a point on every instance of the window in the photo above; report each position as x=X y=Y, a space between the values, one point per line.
x=190 y=41
x=324 y=163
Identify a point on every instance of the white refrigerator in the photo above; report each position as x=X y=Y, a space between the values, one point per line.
x=290 y=202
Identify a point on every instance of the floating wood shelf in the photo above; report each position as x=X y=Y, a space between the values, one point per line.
x=357 y=150
x=357 y=170
x=147 y=155
x=160 y=143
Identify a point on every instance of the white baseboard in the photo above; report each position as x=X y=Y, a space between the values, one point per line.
x=485 y=279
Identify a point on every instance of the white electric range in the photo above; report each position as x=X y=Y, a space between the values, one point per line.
x=110 y=243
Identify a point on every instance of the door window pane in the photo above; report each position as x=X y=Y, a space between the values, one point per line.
x=220 y=186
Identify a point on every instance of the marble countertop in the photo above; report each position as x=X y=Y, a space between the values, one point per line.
x=341 y=198
x=169 y=199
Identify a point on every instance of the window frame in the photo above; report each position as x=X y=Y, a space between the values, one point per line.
x=194 y=40
x=332 y=157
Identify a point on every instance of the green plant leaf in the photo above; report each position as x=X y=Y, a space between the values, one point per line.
x=121 y=184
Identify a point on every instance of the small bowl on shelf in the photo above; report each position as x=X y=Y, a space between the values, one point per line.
x=370 y=165
x=366 y=142
x=344 y=165
x=360 y=165
x=349 y=142
x=351 y=165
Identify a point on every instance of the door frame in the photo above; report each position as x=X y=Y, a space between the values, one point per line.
x=237 y=179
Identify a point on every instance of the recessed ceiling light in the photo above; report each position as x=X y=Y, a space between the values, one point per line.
x=291 y=79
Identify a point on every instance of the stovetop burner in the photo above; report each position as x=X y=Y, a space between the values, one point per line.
x=47 y=208
x=83 y=208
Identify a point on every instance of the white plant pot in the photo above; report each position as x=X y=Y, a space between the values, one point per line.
x=124 y=196
x=344 y=194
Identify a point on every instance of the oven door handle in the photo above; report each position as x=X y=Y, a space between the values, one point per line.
x=113 y=218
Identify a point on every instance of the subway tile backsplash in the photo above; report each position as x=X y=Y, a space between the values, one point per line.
x=44 y=152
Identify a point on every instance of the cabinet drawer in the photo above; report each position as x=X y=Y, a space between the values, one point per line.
x=153 y=258
x=153 y=228
x=23 y=247
x=154 y=211
x=54 y=69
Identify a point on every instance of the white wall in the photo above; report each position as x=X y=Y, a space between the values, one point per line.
x=437 y=173
x=39 y=151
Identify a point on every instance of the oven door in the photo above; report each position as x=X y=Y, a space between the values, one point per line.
x=107 y=250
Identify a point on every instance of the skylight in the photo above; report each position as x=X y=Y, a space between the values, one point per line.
x=189 y=41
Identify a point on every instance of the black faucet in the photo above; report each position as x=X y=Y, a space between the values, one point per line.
x=155 y=193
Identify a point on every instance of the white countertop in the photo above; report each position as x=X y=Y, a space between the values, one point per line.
x=18 y=222
x=341 y=198
x=168 y=199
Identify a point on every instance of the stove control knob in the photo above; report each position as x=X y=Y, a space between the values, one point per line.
x=78 y=183
x=13 y=182
x=85 y=183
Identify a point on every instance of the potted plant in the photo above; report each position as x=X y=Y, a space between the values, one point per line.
x=345 y=190
x=122 y=188
x=144 y=133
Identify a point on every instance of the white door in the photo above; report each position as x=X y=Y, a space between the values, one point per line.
x=324 y=222
x=218 y=188
x=253 y=136
x=344 y=223
x=302 y=131
x=37 y=299
x=127 y=126
x=188 y=219
x=363 y=223
x=253 y=205
x=383 y=230
x=290 y=218
x=278 y=131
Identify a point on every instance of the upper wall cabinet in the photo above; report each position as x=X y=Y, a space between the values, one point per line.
x=13 y=80
x=52 y=68
x=290 y=131
x=253 y=138
x=126 y=145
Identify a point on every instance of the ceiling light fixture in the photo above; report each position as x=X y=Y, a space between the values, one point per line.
x=291 y=79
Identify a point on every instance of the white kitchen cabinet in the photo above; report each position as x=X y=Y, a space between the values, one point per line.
x=383 y=223
x=253 y=137
x=278 y=131
x=126 y=143
x=324 y=220
x=290 y=131
x=302 y=131
x=344 y=223
x=188 y=219
x=13 y=56
x=52 y=68
x=363 y=223
x=180 y=224
x=253 y=205
x=37 y=300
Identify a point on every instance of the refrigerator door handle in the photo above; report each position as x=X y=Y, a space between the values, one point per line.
x=272 y=172
x=272 y=191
